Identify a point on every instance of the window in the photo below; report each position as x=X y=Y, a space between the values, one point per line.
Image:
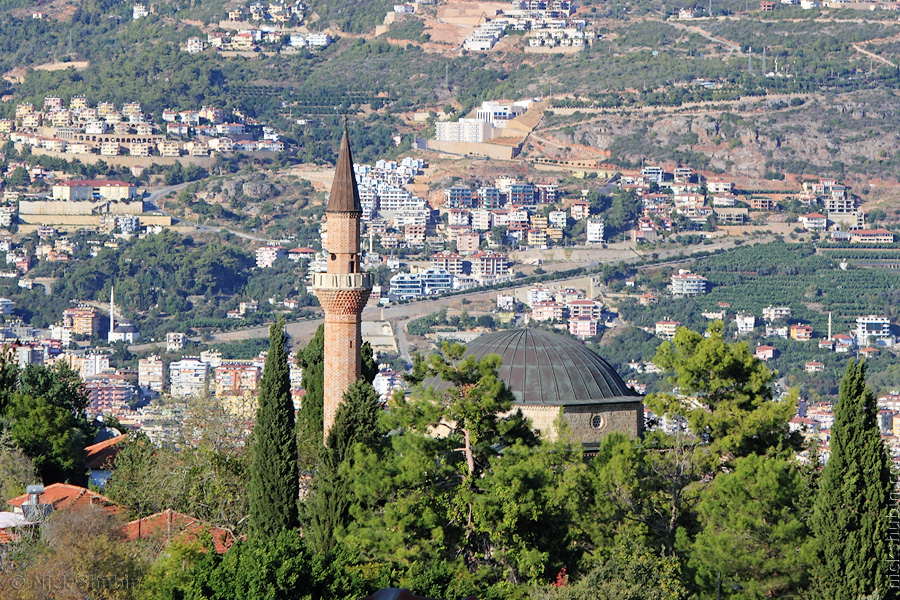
x=598 y=422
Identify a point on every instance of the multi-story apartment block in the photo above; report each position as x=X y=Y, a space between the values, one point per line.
x=595 y=230
x=175 y=341
x=666 y=329
x=188 y=376
x=448 y=261
x=481 y=219
x=236 y=377
x=580 y=209
x=267 y=255
x=489 y=265
x=585 y=308
x=490 y=198
x=548 y=310
x=468 y=242
x=583 y=327
x=151 y=373
x=82 y=321
x=459 y=196
x=464 y=130
x=685 y=283
x=773 y=313
x=873 y=327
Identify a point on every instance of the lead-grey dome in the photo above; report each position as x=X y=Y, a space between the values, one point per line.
x=540 y=367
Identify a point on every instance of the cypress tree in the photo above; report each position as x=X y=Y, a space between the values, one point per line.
x=274 y=472
x=328 y=507
x=311 y=417
x=850 y=517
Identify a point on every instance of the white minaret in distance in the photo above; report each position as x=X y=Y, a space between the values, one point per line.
x=112 y=313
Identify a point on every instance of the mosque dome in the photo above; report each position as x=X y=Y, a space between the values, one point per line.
x=543 y=368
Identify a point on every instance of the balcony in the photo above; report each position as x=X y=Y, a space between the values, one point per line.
x=343 y=281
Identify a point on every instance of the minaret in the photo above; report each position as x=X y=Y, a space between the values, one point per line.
x=343 y=290
x=112 y=313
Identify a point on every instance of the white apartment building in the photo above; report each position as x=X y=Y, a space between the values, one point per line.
x=267 y=255
x=188 y=376
x=558 y=218
x=481 y=219
x=174 y=341
x=685 y=283
x=464 y=130
x=595 y=230
x=875 y=328
x=745 y=323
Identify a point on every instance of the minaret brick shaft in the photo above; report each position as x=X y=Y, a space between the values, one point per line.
x=343 y=291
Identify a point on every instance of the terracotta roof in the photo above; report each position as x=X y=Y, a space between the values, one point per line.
x=101 y=455
x=872 y=232
x=169 y=525
x=64 y=496
x=344 y=193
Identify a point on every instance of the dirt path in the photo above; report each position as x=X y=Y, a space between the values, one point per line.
x=873 y=56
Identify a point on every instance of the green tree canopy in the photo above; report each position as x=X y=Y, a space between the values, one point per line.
x=274 y=475
x=851 y=516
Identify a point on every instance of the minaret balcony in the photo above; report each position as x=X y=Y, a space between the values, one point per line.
x=343 y=281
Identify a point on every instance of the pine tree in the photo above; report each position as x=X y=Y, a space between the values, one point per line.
x=274 y=474
x=850 y=518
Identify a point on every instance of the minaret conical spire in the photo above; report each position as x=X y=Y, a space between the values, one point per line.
x=344 y=193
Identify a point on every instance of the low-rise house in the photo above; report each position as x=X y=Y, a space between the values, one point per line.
x=814 y=222
x=814 y=366
x=765 y=352
x=871 y=236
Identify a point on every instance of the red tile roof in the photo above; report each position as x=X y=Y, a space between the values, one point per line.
x=169 y=525
x=64 y=496
x=100 y=455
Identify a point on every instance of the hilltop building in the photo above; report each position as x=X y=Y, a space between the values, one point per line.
x=343 y=289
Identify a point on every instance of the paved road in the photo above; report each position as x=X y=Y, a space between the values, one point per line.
x=302 y=331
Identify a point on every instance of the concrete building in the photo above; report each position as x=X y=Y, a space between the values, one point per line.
x=151 y=373
x=464 y=130
x=343 y=290
x=91 y=189
x=82 y=321
x=267 y=255
x=873 y=327
x=188 y=376
x=685 y=283
x=174 y=341
x=595 y=231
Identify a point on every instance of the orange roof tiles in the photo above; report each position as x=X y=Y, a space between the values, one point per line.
x=169 y=525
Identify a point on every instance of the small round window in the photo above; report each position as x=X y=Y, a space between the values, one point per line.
x=598 y=421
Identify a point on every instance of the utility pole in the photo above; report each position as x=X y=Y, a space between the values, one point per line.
x=764 y=62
